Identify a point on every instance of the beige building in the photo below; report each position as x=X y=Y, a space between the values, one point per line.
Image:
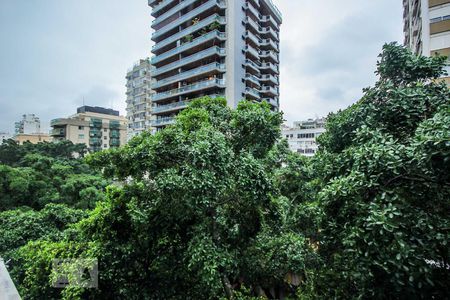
x=99 y=128
x=32 y=138
x=139 y=104
x=427 y=27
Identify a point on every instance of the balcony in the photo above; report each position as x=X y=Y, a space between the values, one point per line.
x=189 y=59
x=158 y=7
x=248 y=35
x=188 y=74
x=252 y=78
x=270 y=19
x=252 y=9
x=170 y=107
x=163 y=122
x=251 y=64
x=252 y=51
x=271 y=78
x=191 y=29
x=198 y=41
x=187 y=17
x=253 y=24
x=58 y=132
x=270 y=43
x=269 y=90
x=271 y=101
x=269 y=30
x=252 y=92
x=171 y=11
x=270 y=54
x=274 y=9
x=190 y=88
x=270 y=67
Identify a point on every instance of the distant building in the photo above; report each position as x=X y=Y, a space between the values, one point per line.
x=302 y=136
x=32 y=138
x=427 y=27
x=30 y=124
x=4 y=136
x=97 y=127
x=139 y=104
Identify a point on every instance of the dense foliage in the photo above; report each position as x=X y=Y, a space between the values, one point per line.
x=217 y=207
x=34 y=175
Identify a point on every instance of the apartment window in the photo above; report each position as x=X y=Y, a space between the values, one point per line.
x=105 y=146
x=309 y=151
x=105 y=137
x=80 y=127
x=105 y=130
x=81 y=136
x=305 y=135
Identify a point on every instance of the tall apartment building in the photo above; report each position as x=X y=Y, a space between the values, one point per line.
x=139 y=104
x=224 y=48
x=302 y=136
x=30 y=124
x=427 y=27
x=97 y=127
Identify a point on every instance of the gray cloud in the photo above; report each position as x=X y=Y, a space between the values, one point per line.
x=56 y=52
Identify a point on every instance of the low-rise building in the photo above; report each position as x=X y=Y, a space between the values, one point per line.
x=302 y=136
x=32 y=138
x=97 y=127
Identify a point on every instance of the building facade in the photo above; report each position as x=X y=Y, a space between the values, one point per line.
x=226 y=48
x=30 y=124
x=139 y=104
x=96 y=127
x=34 y=138
x=4 y=136
x=427 y=27
x=302 y=136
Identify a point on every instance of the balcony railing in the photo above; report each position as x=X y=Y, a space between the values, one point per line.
x=271 y=54
x=198 y=41
x=252 y=64
x=169 y=107
x=184 y=18
x=162 y=122
x=269 y=66
x=252 y=92
x=172 y=11
x=252 y=78
x=271 y=101
x=186 y=60
x=190 y=73
x=160 y=6
x=252 y=51
x=271 y=43
x=275 y=9
x=58 y=132
x=189 y=30
x=269 y=89
x=270 y=77
x=189 y=88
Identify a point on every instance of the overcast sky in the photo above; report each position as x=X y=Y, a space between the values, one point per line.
x=55 y=53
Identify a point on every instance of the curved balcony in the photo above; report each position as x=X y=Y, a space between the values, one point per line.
x=270 y=43
x=189 y=59
x=198 y=41
x=251 y=64
x=198 y=86
x=270 y=55
x=188 y=74
x=271 y=78
x=189 y=16
x=191 y=29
